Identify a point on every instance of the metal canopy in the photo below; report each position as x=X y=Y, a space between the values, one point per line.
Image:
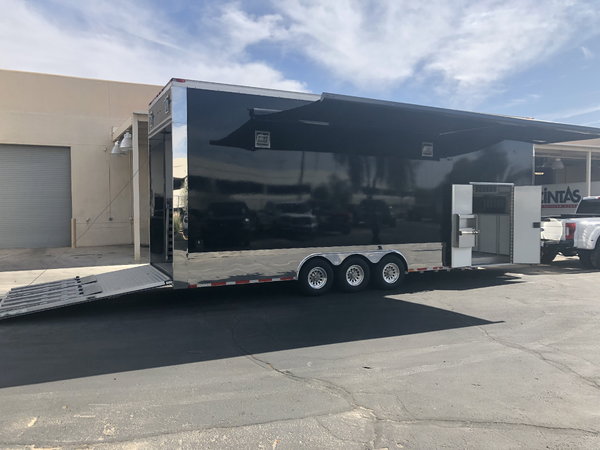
x=341 y=123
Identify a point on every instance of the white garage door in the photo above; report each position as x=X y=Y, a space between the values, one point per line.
x=35 y=196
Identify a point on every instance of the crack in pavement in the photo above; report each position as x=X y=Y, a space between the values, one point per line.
x=315 y=383
x=448 y=423
x=554 y=347
x=461 y=423
x=376 y=420
x=328 y=386
x=117 y=440
x=334 y=435
x=558 y=365
x=404 y=408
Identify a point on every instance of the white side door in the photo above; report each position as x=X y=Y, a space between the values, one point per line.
x=463 y=236
x=526 y=233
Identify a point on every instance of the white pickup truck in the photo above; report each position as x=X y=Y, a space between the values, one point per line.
x=574 y=234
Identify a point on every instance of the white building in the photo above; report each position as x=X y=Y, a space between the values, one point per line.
x=567 y=172
x=59 y=183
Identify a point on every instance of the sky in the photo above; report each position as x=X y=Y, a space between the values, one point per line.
x=528 y=58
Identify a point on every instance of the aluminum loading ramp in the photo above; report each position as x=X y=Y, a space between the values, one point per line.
x=41 y=297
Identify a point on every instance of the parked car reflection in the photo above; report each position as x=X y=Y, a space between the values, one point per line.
x=333 y=217
x=371 y=211
x=228 y=224
x=295 y=218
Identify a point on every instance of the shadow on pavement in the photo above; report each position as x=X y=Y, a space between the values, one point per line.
x=163 y=328
x=560 y=266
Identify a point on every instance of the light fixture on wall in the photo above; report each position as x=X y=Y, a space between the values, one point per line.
x=557 y=164
x=116 y=150
x=126 y=143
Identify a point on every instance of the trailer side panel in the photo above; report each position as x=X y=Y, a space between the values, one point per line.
x=253 y=209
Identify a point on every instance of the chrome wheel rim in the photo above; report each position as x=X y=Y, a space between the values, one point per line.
x=355 y=275
x=391 y=273
x=317 y=277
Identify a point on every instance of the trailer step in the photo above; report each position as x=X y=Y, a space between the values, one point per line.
x=44 y=296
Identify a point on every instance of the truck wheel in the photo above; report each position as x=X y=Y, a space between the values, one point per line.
x=585 y=259
x=548 y=255
x=353 y=274
x=316 y=277
x=595 y=256
x=389 y=272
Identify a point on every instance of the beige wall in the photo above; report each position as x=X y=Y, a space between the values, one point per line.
x=40 y=109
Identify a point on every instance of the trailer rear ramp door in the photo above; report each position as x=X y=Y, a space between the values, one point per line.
x=41 y=297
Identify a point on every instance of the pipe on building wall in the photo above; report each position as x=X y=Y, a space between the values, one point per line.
x=73 y=232
x=588 y=173
x=135 y=194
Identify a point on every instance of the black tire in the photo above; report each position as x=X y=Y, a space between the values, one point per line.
x=353 y=274
x=585 y=259
x=548 y=255
x=316 y=277
x=595 y=257
x=389 y=272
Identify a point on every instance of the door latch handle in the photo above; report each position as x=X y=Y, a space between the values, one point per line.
x=465 y=232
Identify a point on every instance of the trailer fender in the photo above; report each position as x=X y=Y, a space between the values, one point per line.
x=336 y=258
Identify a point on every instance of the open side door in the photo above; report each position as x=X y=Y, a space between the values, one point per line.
x=463 y=225
x=527 y=211
x=40 y=297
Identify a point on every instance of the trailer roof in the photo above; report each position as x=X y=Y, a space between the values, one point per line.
x=375 y=126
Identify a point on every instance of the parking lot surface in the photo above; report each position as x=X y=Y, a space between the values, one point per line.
x=472 y=359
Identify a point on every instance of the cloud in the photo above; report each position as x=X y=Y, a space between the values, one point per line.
x=463 y=51
x=587 y=53
x=495 y=40
x=131 y=43
x=467 y=47
x=572 y=113
x=245 y=29
x=369 y=42
x=527 y=99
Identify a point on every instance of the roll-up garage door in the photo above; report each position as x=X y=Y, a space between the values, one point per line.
x=35 y=196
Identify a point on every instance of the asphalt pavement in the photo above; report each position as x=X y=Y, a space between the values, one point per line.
x=471 y=359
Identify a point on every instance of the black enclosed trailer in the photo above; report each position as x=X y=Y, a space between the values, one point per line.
x=253 y=185
x=271 y=185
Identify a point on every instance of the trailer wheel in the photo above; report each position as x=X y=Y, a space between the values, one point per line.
x=389 y=272
x=353 y=274
x=316 y=277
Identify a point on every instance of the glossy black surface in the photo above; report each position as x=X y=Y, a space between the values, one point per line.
x=356 y=123
x=241 y=198
x=160 y=209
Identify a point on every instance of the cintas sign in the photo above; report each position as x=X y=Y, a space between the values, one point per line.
x=561 y=198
